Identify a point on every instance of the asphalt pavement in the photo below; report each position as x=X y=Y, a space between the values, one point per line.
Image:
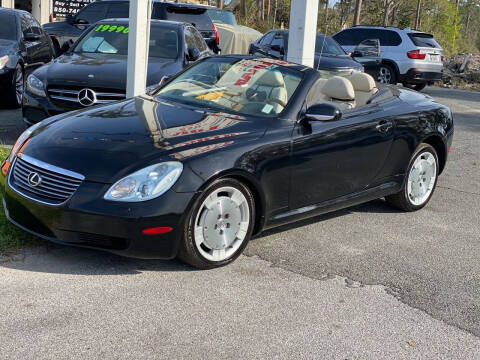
x=367 y=282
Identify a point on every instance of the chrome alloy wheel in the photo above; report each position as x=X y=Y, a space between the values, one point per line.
x=19 y=86
x=421 y=179
x=221 y=224
x=384 y=75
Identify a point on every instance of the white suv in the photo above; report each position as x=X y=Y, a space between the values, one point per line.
x=408 y=56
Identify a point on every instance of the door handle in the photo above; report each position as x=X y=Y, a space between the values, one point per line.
x=384 y=126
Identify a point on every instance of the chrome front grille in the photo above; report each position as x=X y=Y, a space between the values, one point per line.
x=71 y=95
x=43 y=182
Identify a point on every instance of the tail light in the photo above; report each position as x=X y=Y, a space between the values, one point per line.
x=217 y=39
x=415 y=54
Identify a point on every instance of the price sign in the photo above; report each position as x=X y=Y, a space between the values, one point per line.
x=62 y=8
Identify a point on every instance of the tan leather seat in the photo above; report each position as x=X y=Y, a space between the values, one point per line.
x=269 y=88
x=364 y=87
x=339 y=91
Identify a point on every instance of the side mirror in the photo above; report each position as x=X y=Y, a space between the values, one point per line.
x=356 y=53
x=323 y=112
x=81 y=22
x=278 y=48
x=31 y=37
x=193 y=54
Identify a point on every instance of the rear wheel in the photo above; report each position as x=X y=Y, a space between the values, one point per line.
x=219 y=225
x=420 y=180
x=386 y=74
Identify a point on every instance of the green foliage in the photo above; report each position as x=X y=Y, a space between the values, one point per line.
x=12 y=238
x=455 y=30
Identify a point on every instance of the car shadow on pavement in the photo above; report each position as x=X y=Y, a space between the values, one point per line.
x=59 y=259
x=378 y=206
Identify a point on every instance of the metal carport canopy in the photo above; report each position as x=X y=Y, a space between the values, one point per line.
x=302 y=33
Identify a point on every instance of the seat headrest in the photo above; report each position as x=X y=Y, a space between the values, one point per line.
x=362 y=81
x=338 y=87
x=271 y=79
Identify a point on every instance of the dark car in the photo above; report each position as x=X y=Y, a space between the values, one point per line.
x=74 y=26
x=329 y=56
x=94 y=70
x=231 y=146
x=23 y=47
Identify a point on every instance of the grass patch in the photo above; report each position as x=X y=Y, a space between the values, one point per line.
x=11 y=237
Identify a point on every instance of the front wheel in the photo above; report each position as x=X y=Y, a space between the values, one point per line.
x=219 y=225
x=420 y=180
x=15 y=93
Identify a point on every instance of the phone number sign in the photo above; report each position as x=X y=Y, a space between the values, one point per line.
x=68 y=7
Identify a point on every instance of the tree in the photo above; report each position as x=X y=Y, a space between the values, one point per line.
x=358 y=9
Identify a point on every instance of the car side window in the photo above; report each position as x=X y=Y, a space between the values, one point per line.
x=25 y=24
x=267 y=39
x=189 y=38
x=201 y=45
x=120 y=10
x=92 y=13
x=277 y=40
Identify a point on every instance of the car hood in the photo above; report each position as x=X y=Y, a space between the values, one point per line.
x=336 y=62
x=108 y=142
x=97 y=70
x=7 y=47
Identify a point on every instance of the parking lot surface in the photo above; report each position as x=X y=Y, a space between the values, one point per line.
x=368 y=282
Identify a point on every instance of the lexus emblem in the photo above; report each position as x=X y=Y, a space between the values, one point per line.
x=87 y=97
x=34 y=179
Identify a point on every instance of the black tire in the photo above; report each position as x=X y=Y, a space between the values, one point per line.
x=11 y=99
x=416 y=87
x=383 y=77
x=401 y=200
x=188 y=251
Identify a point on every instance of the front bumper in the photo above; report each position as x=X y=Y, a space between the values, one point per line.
x=87 y=220
x=36 y=108
x=416 y=76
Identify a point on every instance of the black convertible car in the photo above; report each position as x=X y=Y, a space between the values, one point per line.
x=229 y=147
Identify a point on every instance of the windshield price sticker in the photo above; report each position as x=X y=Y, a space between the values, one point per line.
x=113 y=28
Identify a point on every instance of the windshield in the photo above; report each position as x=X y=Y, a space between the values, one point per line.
x=246 y=87
x=8 y=26
x=113 y=39
x=222 y=17
x=326 y=45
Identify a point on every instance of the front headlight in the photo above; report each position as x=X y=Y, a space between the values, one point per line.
x=146 y=184
x=35 y=86
x=3 y=61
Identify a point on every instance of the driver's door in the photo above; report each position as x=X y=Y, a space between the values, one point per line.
x=331 y=159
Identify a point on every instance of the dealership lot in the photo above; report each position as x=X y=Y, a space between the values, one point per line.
x=365 y=282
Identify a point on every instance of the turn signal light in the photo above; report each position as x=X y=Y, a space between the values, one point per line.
x=415 y=54
x=157 y=230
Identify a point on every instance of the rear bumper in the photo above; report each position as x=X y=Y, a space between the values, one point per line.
x=416 y=76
